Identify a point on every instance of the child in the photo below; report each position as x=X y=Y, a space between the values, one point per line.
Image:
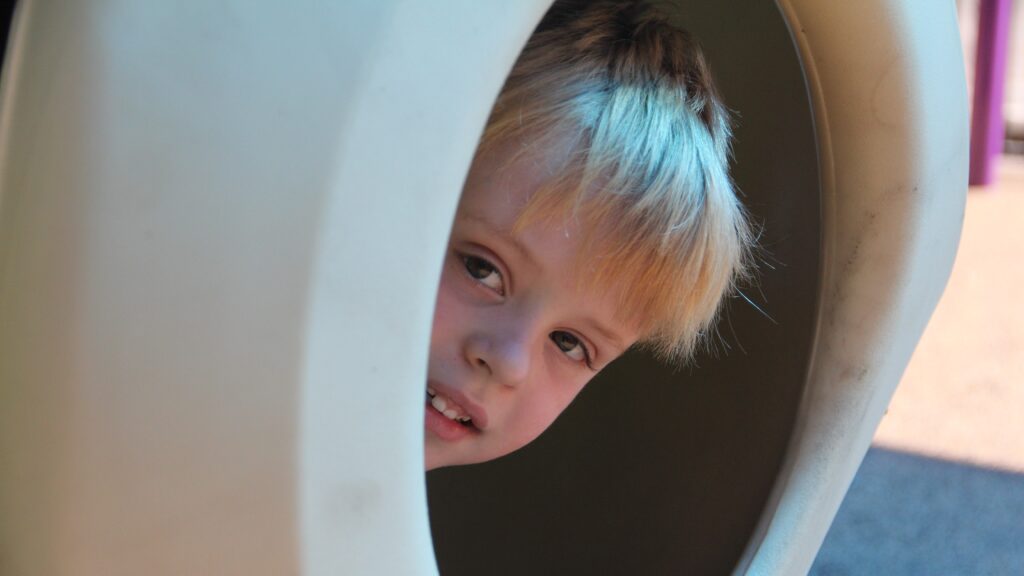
x=598 y=213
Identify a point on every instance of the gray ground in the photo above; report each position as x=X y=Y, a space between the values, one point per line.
x=908 y=514
x=942 y=491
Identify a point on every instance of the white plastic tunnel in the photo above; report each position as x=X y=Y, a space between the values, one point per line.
x=221 y=228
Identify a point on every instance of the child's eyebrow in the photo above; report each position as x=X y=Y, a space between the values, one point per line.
x=504 y=235
x=606 y=334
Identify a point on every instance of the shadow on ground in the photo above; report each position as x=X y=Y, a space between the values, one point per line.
x=907 y=514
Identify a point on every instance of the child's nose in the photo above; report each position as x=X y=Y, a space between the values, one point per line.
x=503 y=356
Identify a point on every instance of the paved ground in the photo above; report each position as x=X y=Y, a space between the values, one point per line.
x=942 y=490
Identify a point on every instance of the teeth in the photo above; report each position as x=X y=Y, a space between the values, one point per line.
x=431 y=391
x=440 y=403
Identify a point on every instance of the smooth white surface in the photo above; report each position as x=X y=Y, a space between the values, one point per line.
x=887 y=82
x=221 y=230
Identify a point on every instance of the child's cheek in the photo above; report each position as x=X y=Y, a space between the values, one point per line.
x=443 y=306
x=451 y=308
x=533 y=416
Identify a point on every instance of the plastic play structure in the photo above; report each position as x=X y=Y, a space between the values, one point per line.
x=221 y=226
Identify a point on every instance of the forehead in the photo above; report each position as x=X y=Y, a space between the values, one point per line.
x=567 y=250
x=500 y=186
x=509 y=173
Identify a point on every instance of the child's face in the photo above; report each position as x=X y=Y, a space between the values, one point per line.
x=515 y=335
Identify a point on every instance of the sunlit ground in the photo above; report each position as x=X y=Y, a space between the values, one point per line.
x=942 y=490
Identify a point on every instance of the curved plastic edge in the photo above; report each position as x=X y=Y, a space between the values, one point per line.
x=418 y=117
x=890 y=107
x=11 y=69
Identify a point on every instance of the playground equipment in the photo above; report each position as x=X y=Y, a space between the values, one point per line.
x=221 y=226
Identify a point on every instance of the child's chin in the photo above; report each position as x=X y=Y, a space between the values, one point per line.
x=438 y=464
x=443 y=456
x=436 y=456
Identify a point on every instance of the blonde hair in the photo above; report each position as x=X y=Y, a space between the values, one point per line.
x=648 y=167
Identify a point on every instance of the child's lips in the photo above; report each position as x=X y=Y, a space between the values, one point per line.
x=468 y=407
x=444 y=427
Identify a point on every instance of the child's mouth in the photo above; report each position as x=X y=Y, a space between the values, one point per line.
x=448 y=408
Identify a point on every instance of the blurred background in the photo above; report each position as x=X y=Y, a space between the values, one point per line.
x=942 y=489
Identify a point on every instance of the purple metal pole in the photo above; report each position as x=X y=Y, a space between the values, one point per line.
x=987 y=129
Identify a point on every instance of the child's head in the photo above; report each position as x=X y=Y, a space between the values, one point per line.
x=598 y=214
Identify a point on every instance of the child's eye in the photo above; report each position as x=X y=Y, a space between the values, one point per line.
x=572 y=346
x=484 y=272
